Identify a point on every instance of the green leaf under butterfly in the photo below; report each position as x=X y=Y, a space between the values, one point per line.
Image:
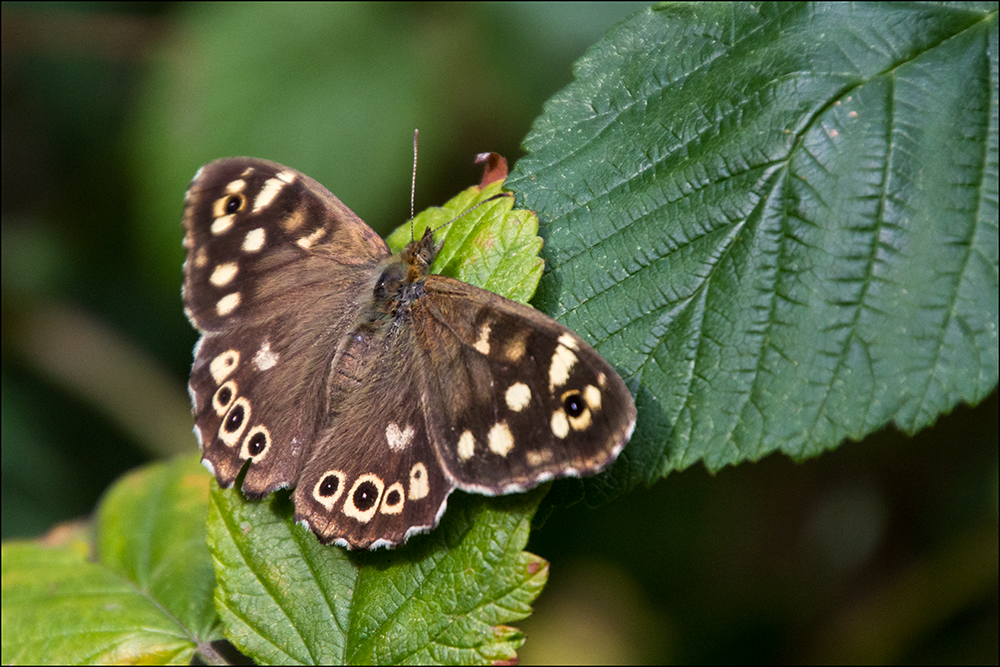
x=778 y=221
x=443 y=598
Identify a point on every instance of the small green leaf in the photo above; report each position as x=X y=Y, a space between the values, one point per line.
x=778 y=221
x=441 y=598
x=486 y=243
x=145 y=599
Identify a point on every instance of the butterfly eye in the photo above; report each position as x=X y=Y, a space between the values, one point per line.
x=234 y=203
x=573 y=404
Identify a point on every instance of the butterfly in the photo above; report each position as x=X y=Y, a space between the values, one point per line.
x=373 y=387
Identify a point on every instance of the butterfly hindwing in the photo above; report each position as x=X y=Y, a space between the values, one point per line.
x=374 y=478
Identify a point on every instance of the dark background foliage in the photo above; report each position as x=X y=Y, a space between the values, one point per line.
x=880 y=550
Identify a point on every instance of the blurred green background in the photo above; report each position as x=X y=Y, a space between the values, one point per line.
x=884 y=550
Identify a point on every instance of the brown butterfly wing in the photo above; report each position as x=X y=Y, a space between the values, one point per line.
x=275 y=269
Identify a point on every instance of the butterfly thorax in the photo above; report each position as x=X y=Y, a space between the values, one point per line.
x=371 y=344
x=401 y=277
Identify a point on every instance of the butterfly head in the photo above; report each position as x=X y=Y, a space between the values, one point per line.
x=420 y=253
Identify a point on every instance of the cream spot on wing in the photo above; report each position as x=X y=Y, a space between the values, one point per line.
x=254 y=240
x=398 y=439
x=329 y=488
x=227 y=304
x=500 y=439
x=293 y=220
x=592 y=395
x=267 y=193
x=307 y=242
x=518 y=396
x=466 y=445
x=222 y=224
x=516 y=348
x=223 y=365
x=223 y=274
x=562 y=363
x=288 y=176
x=235 y=186
x=560 y=424
x=537 y=457
x=581 y=422
x=568 y=340
x=393 y=500
x=369 y=484
x=482 y=344
x=265 y=359
x=201 y=258
x=420 y=486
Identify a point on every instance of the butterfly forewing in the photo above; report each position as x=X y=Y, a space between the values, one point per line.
x=524 y=399
x=272 y=279
x=260 y=241
x=372 y=388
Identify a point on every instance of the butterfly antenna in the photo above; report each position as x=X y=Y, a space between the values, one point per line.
x=413 y=181
x=413 y=189
x=500 y=195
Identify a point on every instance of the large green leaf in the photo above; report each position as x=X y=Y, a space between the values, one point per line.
x=778 y=221
x=146 y=596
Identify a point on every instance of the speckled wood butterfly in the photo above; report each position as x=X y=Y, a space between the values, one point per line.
x=354 y=375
